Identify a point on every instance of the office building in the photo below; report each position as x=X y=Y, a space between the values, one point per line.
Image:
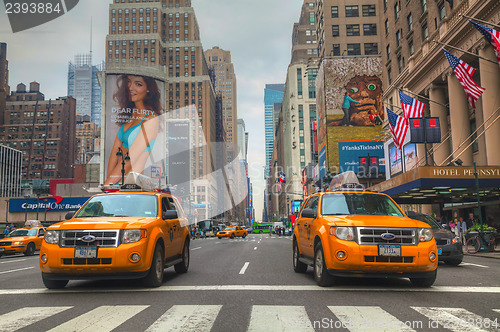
x=273 y=93
x=10 y=171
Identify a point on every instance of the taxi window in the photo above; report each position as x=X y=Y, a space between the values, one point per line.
x=41 y=232
x=123 y=205
x=364 y=204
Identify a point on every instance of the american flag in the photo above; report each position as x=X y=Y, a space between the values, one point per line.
x=464 y=74
x=492 y=36
x=399 y=127
x=282 y=177
x=412 y=108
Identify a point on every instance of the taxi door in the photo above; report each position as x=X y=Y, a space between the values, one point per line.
x=39 y=238
x=306 y=224
x=239 y=231
x=171 y=225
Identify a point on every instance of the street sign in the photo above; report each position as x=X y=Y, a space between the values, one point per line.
x=155 y=172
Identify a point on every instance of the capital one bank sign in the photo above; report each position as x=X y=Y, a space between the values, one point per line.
x=50 y=203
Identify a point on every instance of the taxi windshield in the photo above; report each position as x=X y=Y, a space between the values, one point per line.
x=123 y=205
x=229 y=228
x=357 y=203
x=23 y=232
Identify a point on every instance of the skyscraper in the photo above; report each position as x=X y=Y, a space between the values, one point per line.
x=273 y=93
x=83 y=85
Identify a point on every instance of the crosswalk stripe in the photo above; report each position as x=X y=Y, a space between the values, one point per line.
x=454 y=319
x=496 y=310
x=104 y=318
x=279 y=318
x=187 y=318
x=363 y=318
x=23 y=317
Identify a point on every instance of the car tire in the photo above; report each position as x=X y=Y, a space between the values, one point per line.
x=298 y=266
x=424 y=282
x=260 y=232
x=154 y=277
x=232 y=236
x=54 y=284
x=183 y=266
x=454 y=262
x=220 y=237
x=321 y=275
x=30 y=250
x=244 y=236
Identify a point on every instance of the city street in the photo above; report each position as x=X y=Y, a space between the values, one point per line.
x=249 y=285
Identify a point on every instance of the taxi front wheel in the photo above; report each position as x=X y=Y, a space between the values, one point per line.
x=321 y=275
x=30 y=250
x=424 y=282
x=298 y=266
x=155 y=275
x=54 y=284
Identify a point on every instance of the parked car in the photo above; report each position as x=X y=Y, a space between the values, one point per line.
x=449 y=245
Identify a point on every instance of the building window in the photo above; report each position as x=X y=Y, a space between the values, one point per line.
x=352 y=29
x=385 y=4
x=311 y=18
x=398 y=38
x=335 y=11
x=354 y=49
x=388 y=51
x=299 y=82
x=368 y=10
x=424 y=5
x=336 y=50
x=370 y=29
x=442 y=11
x=409 y=20
x=425 y=31
x=410 y=47
x=386 y=25
x=335 y=31
x=400 y=64
x=396 y=10
x=351 y=11
x=371 y=48
x=389 y=76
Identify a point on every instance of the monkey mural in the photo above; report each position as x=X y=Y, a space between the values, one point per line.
x=368 y=111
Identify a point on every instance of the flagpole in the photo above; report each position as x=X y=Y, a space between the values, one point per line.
x=467 y=52
x=430 y=100
x=481 y=21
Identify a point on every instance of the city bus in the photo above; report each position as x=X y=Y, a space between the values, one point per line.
x=261 y=227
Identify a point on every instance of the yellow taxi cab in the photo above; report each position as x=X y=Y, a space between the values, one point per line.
x=355 y=233
x=232 y=232
x=132 y=233
x=23 y=240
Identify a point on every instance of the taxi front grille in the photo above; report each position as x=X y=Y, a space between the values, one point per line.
x=388 y=259
x=442 y=242
x=101 y=238
x=5 y=243
x=373 y=235
x=86 y=261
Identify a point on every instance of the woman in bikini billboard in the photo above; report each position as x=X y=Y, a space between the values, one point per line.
x=132 y=124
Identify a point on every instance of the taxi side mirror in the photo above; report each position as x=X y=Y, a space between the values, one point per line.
x=170 y=214
x=309 y=213
x=69 y=215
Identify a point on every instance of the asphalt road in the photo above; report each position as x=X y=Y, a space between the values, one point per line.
x=249 y=285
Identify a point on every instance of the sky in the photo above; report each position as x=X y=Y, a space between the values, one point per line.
x=258 y=33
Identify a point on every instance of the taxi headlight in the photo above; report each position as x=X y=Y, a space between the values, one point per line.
x=19 y=243
x=344 y=233
x=424 y=234
x=132 y=235
x=52 y=237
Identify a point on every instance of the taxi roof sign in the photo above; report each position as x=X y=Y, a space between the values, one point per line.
x=137 y=181
x=346 y=180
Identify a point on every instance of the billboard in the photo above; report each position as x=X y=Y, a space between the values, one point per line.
x=350 y=151
x=133 y=125
x=395 y=160
x=349 y=103
x=179 y=156
x=410 y=156
x=52 y=203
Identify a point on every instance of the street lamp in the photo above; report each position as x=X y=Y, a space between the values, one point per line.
x=124 y=159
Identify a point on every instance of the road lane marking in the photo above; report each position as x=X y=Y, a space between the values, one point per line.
x=14 y=261
x=255 y=248
x=20 y=318
x=471 y=264
x=24 y=268
x=187 y=318
x=454 y=319
x=277 y=288
x=103 y=318
x=196 y=248
x=279 y=318
x=363 y=318
x=244 y=268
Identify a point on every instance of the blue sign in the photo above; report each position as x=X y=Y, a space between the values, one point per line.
x=322 y=162
x=51 y=203
x=199 y=206
x=349 y=153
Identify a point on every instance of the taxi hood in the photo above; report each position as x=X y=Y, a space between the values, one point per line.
x=17 y=238
x=374 y=221
x=102 y=223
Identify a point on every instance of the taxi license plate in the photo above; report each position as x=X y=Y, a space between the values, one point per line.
x=440 y=251
x=86 y=252
x=389 y=250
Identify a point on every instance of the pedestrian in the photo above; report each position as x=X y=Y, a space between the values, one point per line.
x=6 y=230
x=270 y=230
x=345 y=108
x=462 y=229
x=471 y=220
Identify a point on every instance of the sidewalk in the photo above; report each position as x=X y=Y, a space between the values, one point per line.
x=492 y=254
